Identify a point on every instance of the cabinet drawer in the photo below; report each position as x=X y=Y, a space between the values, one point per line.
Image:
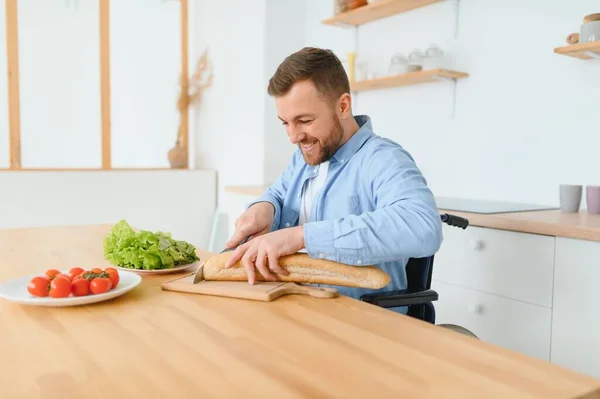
x=514 y=325
x=510 y=264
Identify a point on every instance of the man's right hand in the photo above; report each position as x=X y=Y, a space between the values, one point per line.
x=255 y=221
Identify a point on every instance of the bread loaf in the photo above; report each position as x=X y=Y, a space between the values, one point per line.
x=302 y=269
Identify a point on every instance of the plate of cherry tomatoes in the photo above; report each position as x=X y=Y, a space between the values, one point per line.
x=74 y=287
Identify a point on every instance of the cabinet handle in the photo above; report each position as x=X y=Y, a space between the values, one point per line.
x=476 y=308
x=476 y=245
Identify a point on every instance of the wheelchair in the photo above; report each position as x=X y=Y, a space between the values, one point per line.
x=418 y=295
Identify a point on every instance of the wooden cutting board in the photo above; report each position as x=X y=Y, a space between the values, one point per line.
x=261 y=291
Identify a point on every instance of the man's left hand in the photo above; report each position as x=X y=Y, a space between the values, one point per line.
x=262 y=253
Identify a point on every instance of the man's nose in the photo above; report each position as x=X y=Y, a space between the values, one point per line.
x=295 y=135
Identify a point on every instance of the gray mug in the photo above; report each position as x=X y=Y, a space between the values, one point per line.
x=570 y=197
x=589 y=32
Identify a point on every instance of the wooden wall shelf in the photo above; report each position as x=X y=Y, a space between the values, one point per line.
x=375 y=11
x=405 y=79
x=583 y=51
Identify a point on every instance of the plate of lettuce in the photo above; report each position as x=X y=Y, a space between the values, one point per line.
x=148 y=252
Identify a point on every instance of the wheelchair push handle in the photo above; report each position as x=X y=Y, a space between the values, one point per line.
x=456 y=221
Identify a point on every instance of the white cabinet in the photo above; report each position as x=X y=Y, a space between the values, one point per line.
x=510 y=264
x=576 y=309
x=504 y=322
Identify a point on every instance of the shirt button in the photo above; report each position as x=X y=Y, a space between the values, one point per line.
x=359 y=262
x=342 y=161
x=321 y=256
x=316 y=170
x=298 y=196
x=287 y=225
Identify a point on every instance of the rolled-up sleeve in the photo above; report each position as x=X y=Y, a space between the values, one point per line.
x=405 y=222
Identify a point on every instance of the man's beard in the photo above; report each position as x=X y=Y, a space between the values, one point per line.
x=326 y=149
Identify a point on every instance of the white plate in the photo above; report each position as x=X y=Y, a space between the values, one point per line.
x=16 y=291
x=176 y=269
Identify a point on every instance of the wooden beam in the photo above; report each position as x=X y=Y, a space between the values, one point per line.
x=184 y=123
x=105 y=82
x=14 y=102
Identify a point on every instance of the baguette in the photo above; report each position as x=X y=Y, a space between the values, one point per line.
x=302 y=269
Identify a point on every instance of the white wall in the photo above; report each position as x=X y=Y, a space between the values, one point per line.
x=236 y=127
x=179 y=202
x=228 y=126
x=59 y=71
x=145 y=71
x=525 y=120
x=59 y=81
x=284 y=34
x=60 y=120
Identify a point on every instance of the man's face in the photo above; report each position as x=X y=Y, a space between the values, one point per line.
x=310 y=122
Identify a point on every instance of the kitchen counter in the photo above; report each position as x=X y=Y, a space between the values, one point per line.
x=579 y=225
x=168 y=344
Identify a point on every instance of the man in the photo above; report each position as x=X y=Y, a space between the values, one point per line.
x=347 y=195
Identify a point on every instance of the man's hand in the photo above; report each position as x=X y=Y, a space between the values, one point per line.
x=263 y=252
x=256 y=221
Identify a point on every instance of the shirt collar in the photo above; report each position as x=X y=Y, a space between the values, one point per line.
x=345 y=152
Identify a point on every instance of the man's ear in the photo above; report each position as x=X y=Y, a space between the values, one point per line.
x=345 y=106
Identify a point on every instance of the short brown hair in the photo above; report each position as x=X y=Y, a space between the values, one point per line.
x=321 y=66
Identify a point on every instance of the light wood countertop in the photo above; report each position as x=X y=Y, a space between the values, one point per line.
x=168 y=344
x=579 y=225
x=254 y=191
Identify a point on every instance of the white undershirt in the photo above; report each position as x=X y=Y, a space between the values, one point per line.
x=311 y=190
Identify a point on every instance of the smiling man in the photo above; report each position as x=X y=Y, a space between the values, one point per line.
x=347 y=195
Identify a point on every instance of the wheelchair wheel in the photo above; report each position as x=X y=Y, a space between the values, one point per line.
x=458 y=329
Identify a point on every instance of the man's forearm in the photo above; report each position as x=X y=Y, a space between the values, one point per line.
x=412 y=229
x=275 y=202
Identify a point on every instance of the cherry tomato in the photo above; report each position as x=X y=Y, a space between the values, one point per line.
x=50 y=273
x=39 y=286
x=87 y=275
x=114 y=277
x=96 y=270
x=74 y=272
x=60 y=288
x=62 y=275
x=80 y=287
x=100 y=285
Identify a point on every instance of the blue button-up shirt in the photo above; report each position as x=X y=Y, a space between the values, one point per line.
x=374 y=207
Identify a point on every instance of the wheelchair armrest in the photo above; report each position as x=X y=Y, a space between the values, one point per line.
x=392 y=299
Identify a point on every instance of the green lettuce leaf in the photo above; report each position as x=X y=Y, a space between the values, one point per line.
x=147 y=250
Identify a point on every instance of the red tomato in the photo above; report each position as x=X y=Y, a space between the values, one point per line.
x=39 y=286
x=63 y=275
x=50 y=273
x=80 y=287
x=96 y=270
x=87 y=275
x=74 y=272
x=114 y=277
x=100 y=285
x=60 y=288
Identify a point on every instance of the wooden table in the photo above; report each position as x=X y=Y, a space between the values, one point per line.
x=155 y=343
